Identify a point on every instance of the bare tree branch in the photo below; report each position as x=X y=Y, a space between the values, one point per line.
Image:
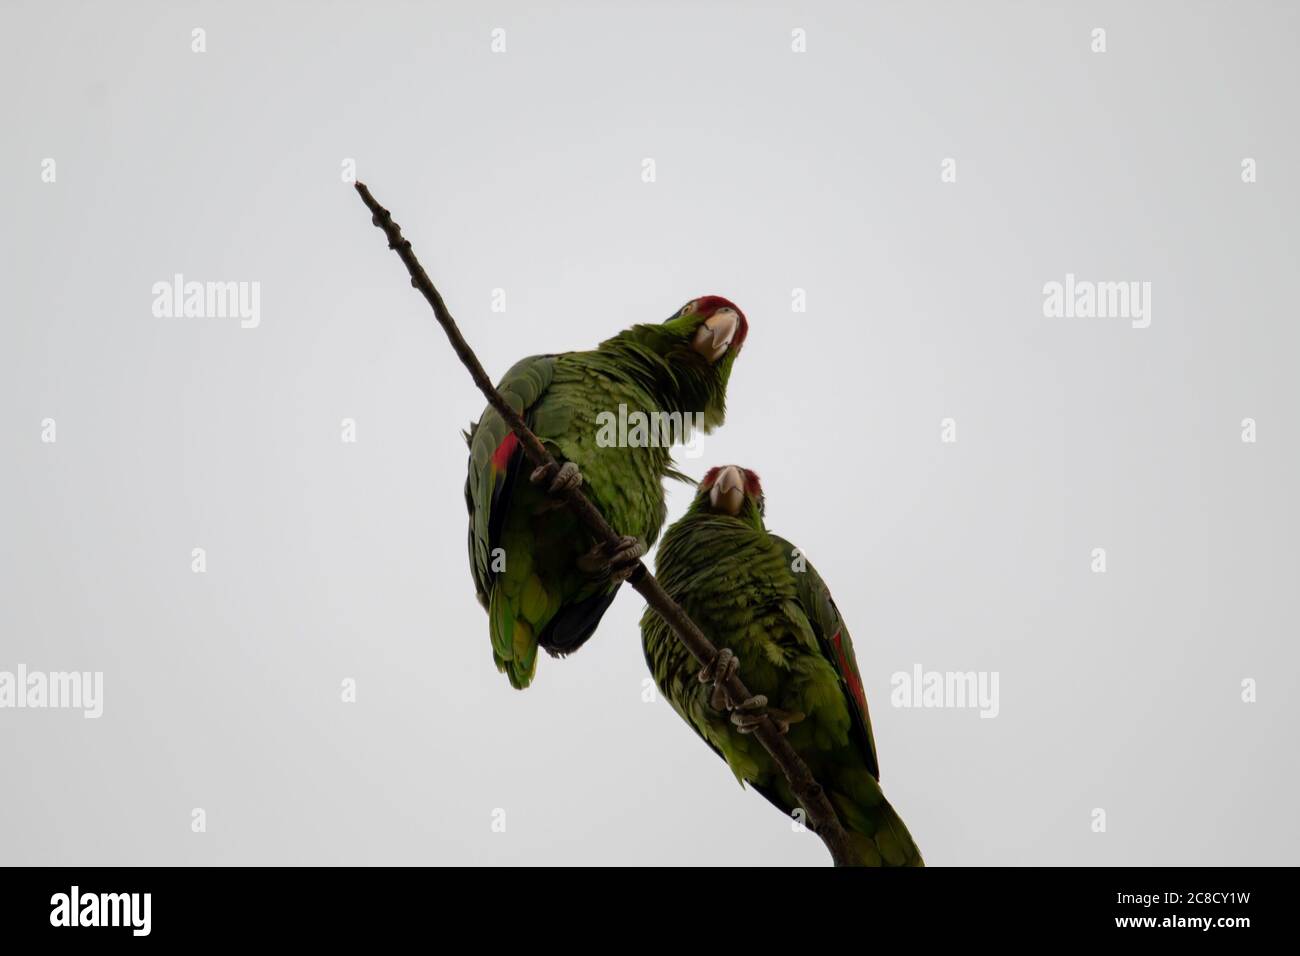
x=821 y=815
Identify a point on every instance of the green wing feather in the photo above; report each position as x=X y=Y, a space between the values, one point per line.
x=517 y=604
x=522 y=386
x=836 y=645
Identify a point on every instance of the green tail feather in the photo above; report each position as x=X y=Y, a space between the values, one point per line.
x=514 y=640
x=875 y=830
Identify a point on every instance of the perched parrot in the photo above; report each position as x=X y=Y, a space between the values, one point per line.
x=539 y=574
x=759 y=599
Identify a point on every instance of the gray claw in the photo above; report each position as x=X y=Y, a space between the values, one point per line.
x=717 y=672
x=561 y=478
x=750 y=713
x=615 y=561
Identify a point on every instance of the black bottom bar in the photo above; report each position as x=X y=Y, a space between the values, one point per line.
x=333 y=906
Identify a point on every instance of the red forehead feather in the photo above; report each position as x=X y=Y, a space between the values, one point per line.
x=706 y=305
x=753 y=487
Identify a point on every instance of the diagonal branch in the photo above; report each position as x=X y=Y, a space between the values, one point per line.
x=821 y=815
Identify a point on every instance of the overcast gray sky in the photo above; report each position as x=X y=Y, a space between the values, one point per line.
x=782 y=161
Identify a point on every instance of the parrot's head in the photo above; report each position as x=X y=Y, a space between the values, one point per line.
x=700 y=343
x=686 y=360
x=715 y=328
x=731 y=490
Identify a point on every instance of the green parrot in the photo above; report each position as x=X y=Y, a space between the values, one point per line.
x=540 y=575
x=760 y=600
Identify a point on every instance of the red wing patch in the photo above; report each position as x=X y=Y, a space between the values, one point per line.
x=501 y=457
x=850 y=673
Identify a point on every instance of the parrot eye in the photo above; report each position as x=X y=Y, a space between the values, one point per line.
x=687 y=309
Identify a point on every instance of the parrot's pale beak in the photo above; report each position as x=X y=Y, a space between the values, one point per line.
x=714 y=336
x=728 y=491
